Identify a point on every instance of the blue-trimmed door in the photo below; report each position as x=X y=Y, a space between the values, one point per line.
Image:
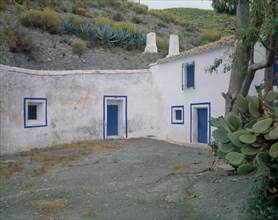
x=202 y=125
x=112 y=120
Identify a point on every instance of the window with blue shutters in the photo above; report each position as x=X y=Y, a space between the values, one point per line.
x=188 y=75
x=177 y=114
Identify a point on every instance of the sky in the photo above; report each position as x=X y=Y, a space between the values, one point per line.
x=162 y=4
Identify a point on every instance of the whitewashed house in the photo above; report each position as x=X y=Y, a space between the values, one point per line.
x=172 y=100
x=186 y=96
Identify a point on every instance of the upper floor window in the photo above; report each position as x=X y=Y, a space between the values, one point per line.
x=188 y=75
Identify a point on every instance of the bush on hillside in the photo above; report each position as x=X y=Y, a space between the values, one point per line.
x=78 y=46
x=14 y=35
x=139 y=8
x=209 y=35
x=47 y=20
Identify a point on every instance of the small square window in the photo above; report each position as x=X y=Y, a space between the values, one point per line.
x=177 y=114
x=35 y=112
x=188 y=75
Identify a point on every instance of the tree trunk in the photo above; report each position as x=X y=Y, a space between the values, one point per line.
x=241 y=59
x=268 y=79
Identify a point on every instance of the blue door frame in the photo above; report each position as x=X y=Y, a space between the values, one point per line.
x=112 y=120
x=106 y=100
x=202 y=114
x=205 y=129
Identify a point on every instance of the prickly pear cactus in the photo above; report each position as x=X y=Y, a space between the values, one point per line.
x=249 y=141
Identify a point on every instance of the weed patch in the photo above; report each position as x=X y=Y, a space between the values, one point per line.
x=180 y=167
x=50 y=160
x=10 y=168
x=50 y=206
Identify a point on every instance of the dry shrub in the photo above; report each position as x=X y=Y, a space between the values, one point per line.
x=10 y=168
x=80 y=11
x=78 y=46
x=209 y=35
x=180 y=167
x=47 y=206
x=48 y=20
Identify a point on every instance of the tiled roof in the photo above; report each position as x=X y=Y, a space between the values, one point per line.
x=225 y=41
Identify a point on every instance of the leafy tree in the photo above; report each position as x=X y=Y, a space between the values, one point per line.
x=257 y=21
x=224 y=6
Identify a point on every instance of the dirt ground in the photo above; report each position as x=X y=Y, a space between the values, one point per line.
x=138 y=179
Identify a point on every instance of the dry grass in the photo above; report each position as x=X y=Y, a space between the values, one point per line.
x=47 y=206
x=10 y=168
x=180 y=167
x=51 y=161
x=89 y=214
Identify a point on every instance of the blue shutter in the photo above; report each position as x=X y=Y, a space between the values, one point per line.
x=275 y=71
x=190 y=76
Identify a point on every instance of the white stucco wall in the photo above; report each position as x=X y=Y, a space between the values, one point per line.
x=76 y=101
x=167 y=85
x=74 y=105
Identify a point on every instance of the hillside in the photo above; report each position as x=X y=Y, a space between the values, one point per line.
x=101 y=34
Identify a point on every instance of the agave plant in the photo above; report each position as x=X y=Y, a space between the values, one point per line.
x=105 y=32
x=71 y=28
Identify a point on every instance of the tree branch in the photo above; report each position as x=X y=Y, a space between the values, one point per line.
x=270 y=55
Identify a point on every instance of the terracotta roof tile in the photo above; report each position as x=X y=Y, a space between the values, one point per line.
x=200 y=49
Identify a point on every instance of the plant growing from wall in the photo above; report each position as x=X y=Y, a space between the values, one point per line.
x=248 y=141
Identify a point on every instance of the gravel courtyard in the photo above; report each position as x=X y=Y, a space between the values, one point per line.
x=142 y=179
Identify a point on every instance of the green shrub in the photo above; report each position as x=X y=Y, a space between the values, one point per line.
x=209 y=35
x=104 y=20
x=14 y=35
x=3 y=3
x=78 y=46
x=118 y=16
x=140 y=8
x=48 y=20
x=125 y=25
x=162 y=44
x=258 y=206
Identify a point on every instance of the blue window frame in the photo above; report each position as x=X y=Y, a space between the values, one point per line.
x=35 y=112
x=188 y=75
x=177 y=114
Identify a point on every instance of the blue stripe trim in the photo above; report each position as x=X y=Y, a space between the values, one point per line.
x=112 y=97
x=191 y=119
x=179 y=107
x=25 y=112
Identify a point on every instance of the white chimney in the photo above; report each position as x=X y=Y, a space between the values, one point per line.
x=151 y=43
x=173 y=45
